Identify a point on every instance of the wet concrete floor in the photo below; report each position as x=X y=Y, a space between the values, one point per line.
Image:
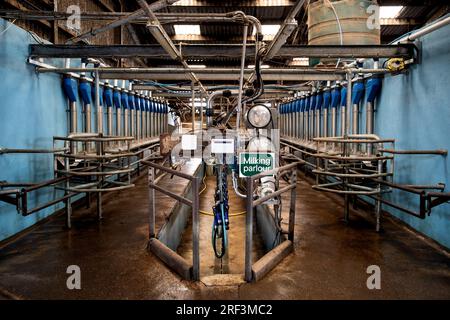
x=329 y=261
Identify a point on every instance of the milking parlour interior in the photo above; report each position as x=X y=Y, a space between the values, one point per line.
x=260 y=150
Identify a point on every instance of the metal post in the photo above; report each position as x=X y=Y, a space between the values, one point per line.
x=241 y=77
x=88 y=124
x=97 y=103
x=68 y=200
x=325 y=122
x=138 y=124
x=306 y=134
x=300 y=129
x=153 y=120
x=317 y=133
x=355 y=119
x=369 y=125
x=349 y=103
x=152 y=209
x=119 y=121
x=333 y=122
x=100 y=178
x=193 y=105
x=110 y=120
x=249 y=231
x=126 y=120
x=195 y=229
x=149 y=123
x=292 y=205
x=73 y=124
x=378 y=201
x=133 y=113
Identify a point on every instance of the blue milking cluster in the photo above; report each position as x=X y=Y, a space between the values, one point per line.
x=297 y=115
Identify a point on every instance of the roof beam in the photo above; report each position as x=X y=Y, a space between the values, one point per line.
x=245 y=3
x=117 y=23
x=399 y=22
x=285 y=31
x=206 y=51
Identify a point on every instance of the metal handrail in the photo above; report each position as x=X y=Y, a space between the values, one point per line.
x=194 y=204
x=251 y=204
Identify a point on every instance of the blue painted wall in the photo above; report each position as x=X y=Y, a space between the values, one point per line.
x=415 y=110
x=32 y=111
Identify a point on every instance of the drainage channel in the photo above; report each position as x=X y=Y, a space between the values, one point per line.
x=231 y=265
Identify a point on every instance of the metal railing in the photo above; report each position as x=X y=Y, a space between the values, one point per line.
x=267 y=262
x=170 y=257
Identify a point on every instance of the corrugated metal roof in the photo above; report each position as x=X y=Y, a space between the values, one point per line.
x=414 y=12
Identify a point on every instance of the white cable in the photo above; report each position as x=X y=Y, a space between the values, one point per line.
x=6 y=29
x=339 y=26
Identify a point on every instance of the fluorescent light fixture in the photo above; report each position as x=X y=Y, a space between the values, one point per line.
x=300 y=61
x=389 y=12
x=197 y=66
x=187 y=29
x=263 y=66
x=268 y=29
x=184 y=3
